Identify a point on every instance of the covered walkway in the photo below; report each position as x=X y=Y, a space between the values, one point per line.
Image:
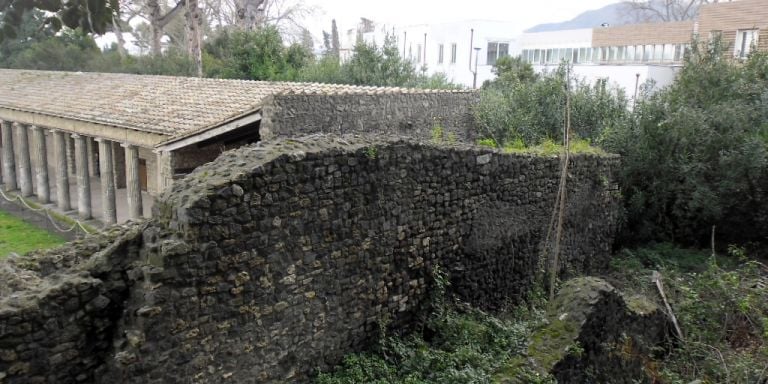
x=103 y=144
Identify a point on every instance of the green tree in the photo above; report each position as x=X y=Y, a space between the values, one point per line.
x=71 y=50
x=254 y=55
x=520 y=106
x=32 y=30
x=335 y=44
x=510 y=69
x=695 y=155
x=381 y=66
x=88 y=15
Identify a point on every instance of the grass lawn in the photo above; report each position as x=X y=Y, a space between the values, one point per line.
x=21 y=237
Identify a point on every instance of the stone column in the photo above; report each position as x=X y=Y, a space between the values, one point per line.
x=133 y=184
x=62 y=174
x=83 y=178
x=109 y=206
x=25 y=165
x=118 y=156
x=93 y=167
x=41 y=165
x=164 y=171
x=70 y=152
x=9 y=158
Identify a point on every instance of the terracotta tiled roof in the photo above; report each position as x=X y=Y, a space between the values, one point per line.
x=166 y=105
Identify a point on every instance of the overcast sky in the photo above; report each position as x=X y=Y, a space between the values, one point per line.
x=521 y=14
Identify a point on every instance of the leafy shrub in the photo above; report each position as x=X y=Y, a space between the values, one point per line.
x=721 y=305
x=533 y=109
x=371 y=64
x=457 y=345
x=254 y=55
x=464 y=346
x=695 y=154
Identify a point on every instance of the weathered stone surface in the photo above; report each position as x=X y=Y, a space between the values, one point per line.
x=595 y=335
x=277 y=260
x=412 y=115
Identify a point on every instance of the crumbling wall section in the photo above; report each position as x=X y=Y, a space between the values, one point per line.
x=274 y=261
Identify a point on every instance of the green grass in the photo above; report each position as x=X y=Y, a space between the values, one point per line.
x=21 y=237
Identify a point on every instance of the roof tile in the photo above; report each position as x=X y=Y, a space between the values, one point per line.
x=166 y=105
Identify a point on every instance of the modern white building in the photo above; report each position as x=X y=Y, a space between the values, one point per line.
x=464 y=50
x=624 y=56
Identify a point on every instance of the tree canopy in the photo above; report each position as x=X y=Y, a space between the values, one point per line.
x=88 y=15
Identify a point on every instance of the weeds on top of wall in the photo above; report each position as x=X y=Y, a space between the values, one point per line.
x=546 y=147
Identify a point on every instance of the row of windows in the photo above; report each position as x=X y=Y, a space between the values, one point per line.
x=494 y=52
x=440 y=54
x=651 y=53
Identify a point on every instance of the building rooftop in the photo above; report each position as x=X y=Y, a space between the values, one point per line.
x=165 y=105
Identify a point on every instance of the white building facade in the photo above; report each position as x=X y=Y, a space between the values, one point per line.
x=626 y=63
x=465 y=51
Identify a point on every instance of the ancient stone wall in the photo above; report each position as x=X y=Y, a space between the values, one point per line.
x=415 y=114
x=275 y=261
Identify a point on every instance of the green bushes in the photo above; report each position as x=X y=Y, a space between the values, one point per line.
x=722 y=307
x=531 y=108
x=694 y=154
x=371 y=64
x=254 y=55
x=459 y=345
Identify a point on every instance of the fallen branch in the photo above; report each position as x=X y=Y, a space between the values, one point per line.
x=656 y=279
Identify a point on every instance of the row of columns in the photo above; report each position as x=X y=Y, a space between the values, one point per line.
x=19 y=176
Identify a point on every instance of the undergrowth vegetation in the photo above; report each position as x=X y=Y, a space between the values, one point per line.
x=721 y=304
x=457 y=344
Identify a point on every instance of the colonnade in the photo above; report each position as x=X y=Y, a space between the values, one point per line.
x=23 y=142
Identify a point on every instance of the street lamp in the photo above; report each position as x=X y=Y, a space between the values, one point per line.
x=474 y=73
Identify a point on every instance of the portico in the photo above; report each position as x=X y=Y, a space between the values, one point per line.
x=100 y=145
x=102 y=152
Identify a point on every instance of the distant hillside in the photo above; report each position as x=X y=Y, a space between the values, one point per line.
x=613 y=14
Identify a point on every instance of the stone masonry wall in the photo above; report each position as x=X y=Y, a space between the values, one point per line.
x=399 y=114
x=275 y=261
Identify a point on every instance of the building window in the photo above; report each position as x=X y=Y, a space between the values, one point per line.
x=745 y=41
x=495 y=51
x=537 y=56
x=440 y=48
x=453 y=53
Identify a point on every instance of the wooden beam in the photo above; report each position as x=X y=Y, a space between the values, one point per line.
x=207 y=134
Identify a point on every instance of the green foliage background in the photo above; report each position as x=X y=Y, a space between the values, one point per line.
x=229 y=54
x=693 y=154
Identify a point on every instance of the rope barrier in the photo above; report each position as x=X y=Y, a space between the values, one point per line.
x=47 y=213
